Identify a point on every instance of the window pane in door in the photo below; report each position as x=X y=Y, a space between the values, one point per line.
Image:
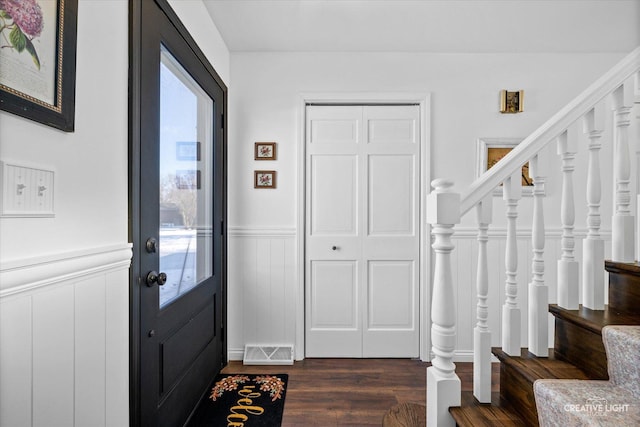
x=186 y=180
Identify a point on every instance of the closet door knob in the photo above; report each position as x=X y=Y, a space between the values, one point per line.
x=334 y=248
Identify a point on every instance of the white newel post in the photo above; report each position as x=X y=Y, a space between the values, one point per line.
x=443 y=385
x=538 y=289
x=568 y=267
x=511 y=193
x=482 y=334
x=593 y=246
x=623 y=222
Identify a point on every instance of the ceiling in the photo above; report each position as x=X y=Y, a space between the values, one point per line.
x=443 y=26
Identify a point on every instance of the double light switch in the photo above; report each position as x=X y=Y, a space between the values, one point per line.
x=26 y=191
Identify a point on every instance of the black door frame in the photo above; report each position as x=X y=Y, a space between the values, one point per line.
x=135 y=129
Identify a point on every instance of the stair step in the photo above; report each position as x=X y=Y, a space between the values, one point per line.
x=624 y=286
x=518 y=373
x=475 y=414
x=578 y=336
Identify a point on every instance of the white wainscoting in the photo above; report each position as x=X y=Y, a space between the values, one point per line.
x=64 y=339
x=464 y=263
x=262 y=288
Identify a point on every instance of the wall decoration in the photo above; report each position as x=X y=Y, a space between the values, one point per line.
x=264 y=179
x=265 y=151
x=491 y=150
x=511 y=102
x=38 y=60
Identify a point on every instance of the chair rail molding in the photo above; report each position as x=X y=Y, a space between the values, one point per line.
x=19 y=276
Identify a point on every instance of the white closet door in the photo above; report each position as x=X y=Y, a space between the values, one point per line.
x=362 y=236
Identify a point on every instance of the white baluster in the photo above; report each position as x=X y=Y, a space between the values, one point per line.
x=538 y=290
x=512 y=192
x=636 y=138
x=482 y=334
x=593 y=246
x=568 y=267
x=623 y=222
x=443 y=385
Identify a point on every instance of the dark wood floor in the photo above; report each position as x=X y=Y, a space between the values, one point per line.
x=352 y=392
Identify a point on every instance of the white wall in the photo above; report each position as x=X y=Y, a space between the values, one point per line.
x=265 y=106
x=196 y=18
x=64 y=281
x=64 y=333
x=90 y=163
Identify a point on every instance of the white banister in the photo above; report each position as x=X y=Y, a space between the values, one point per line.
x=443 y=385
x=568 y=267
x=593 y=246
x=445 y=208
x=637 y=145
x=512 y=192
x=636 y=138
x=538 y=289
x=546 y=133
x=482 y=334
x=623 y=226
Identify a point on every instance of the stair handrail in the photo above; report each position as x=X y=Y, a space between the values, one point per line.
x=445 y=208
x=546 y=133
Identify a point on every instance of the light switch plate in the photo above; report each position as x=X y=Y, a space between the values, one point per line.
x=27 y=191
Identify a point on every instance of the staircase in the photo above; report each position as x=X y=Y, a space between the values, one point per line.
x=578 y=351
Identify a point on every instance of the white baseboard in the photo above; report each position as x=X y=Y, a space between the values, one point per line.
x=235 y=354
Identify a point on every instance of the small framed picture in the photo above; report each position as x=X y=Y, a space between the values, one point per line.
x=264 y=179
x=491 y=150
x=265 y=151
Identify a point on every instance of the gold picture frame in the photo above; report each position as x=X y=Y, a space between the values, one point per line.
x=491 y=150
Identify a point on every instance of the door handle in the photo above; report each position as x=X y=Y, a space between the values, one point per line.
x=154 y=277
x=334 y=248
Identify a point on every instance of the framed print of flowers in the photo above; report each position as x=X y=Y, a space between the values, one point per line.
x=264 y=179
x=38 y=60
x=265 y=151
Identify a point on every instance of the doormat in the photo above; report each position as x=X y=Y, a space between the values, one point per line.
x=243 y=400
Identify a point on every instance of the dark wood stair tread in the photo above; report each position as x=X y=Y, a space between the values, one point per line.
x=475 y=414
x=594 y=320
x=631 y=268
x=624 y=286
x=533 y=368
x=518 y=373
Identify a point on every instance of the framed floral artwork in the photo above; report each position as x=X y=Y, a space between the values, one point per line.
x=38 y=60
x=264 y=179
x=491 y=150
x=265 y=151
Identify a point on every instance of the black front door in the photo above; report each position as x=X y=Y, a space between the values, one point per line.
x=178 y=230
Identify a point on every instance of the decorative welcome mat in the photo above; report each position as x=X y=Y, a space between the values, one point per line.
x=243 y=400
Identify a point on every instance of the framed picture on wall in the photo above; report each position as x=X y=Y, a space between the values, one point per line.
x=265 y=151
x=38 y=60
x=491 y=150
x=264 y=179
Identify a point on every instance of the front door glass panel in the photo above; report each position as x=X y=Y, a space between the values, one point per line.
x=186 y=181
